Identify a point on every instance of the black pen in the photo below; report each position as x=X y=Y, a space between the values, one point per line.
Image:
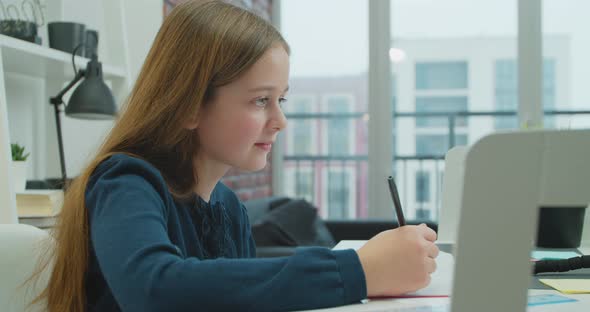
x=396 y=203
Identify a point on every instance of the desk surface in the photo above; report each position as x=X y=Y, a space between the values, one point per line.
x=442 y=304
x=535 y=284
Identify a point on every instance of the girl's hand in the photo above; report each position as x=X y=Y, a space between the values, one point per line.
x=399 y=261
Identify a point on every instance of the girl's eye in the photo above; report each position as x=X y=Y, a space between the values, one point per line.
x=282 y=100
x=262 y=102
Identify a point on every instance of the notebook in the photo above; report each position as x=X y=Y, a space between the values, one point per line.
x=568 y=286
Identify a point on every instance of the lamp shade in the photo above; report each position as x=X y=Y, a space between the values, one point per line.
x=92 y=99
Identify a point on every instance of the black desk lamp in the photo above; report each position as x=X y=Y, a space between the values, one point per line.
x=92 y=99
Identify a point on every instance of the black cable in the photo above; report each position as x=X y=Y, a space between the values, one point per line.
x=74 y=54
x=563 y=265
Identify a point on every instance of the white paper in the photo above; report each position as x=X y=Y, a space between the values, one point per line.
x=441 y=283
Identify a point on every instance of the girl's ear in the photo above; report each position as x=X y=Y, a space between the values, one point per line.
x=192 y=123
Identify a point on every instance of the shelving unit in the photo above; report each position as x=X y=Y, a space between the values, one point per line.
x=50 y=69
x=26 y=58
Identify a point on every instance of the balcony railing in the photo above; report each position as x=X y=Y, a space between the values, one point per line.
x=453 y=116
x=421 y=195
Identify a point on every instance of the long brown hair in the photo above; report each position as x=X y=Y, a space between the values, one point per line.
x=200 y=46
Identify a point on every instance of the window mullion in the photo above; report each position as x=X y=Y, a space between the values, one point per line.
x=530 y=64
x=379 y=109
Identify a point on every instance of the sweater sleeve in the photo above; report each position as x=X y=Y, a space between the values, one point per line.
x=127 y=216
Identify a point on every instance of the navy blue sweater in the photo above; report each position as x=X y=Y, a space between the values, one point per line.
x=152 y=252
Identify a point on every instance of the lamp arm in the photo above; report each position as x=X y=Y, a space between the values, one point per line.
x=58 y=99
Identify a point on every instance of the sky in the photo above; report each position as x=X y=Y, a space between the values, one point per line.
x=332 y=39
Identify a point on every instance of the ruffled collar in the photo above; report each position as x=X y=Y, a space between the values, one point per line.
x=213 y=227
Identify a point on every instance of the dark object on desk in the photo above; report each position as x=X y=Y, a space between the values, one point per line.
x=365 y=229
x=272 y=227
x=563 y=265
x=20 y=29
x=560 y=227
x=66 y=36
x=286 y=222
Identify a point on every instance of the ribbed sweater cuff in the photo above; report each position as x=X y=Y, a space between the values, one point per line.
x=353 y=276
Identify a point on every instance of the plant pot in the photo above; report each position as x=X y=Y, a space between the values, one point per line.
x=66 y=36
x=19 y=29
x=19 y=171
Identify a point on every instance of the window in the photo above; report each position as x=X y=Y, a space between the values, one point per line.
x=339 y=196
x=441 y=75
x=301 y=138
x=334 y=72
x=441 y=87
x=300 y=183
x=436 y=144
x=440 y=104
x=566 y=29
x=443 y=61
x=422 y=186
x=506 y=92
x=340 y=131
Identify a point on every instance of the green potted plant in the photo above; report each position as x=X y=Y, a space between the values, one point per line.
x=19 y=166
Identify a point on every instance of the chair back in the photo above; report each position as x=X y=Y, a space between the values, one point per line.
x=20 y=248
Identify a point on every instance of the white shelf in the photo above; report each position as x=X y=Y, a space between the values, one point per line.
x=26 y=58
x=30 y=74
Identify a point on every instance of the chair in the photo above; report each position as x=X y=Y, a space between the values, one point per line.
x=19 y=251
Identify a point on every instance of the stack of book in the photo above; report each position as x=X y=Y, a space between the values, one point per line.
x=39 y=207
x=39 y=203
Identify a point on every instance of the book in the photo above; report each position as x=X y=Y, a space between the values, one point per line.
x=41 y=222
x=39 y=203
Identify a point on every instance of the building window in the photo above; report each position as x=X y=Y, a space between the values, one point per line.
x=441 y=87
x=441 y=75
x=436 y=144
x=422 y=186
x=338 y=194
x=506 y=92
x=301 y=138
x=340 y=131
x=339 y=198
x=437 y=104
x=300 y=183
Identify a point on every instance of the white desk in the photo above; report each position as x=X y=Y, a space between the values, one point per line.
x=443 y=304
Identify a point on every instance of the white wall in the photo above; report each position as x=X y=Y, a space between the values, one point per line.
x=143 y=20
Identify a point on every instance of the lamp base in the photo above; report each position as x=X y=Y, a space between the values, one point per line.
x=47 y=184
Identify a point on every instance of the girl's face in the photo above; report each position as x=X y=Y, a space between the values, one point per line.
x=239 y=125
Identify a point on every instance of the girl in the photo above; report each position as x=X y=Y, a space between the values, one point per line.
x=148 y=226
